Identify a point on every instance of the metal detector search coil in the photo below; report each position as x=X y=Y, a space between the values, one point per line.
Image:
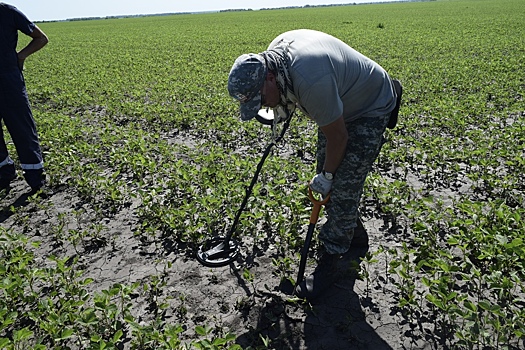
x=217 y=252
x=221 y=251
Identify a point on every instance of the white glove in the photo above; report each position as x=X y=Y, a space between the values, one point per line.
x=321 y=184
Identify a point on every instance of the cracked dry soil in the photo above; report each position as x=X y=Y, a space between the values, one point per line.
x=352 y=314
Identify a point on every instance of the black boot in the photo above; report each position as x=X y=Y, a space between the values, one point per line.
x=37 y=180
x=7 y=174
x=324 y=275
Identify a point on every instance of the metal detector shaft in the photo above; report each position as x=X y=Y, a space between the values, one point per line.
x=313 y=220
x=254 y=180
x=220 y=251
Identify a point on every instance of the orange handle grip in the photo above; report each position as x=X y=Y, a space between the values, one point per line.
x=317 y=205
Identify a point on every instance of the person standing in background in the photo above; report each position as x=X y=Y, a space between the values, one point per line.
x=15 y=110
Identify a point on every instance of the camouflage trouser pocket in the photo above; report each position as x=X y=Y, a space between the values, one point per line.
x=365 y=138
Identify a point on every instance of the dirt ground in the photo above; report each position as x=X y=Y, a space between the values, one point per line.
x=352 y=314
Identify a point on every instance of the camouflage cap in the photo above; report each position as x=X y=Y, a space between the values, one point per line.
x=245 y=83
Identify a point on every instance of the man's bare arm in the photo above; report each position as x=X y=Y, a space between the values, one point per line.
x=336 y=140
x=39 y=41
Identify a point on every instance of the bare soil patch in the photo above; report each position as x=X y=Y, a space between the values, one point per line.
x=353 y=314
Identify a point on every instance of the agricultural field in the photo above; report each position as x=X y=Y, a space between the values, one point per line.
x=147 y=159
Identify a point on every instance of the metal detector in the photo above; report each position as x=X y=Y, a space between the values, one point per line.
x=221 y=251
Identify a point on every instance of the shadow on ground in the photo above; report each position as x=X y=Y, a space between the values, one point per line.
x=9 y=209
x=335 y=320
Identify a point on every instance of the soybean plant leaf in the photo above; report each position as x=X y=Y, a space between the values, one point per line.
x=219 y=341
x=22 y=334
x=206 y=343
x=200 y=330
x=230 y=337
x=117 y=336
x=470 y=305
x=66 y=333
x=4 y=342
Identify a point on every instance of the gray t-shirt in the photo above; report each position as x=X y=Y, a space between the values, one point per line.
x=331 y=79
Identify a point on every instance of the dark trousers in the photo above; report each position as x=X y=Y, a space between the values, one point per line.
x=15 y=112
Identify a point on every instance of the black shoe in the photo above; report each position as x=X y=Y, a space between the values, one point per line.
x=5 y=182
x=324 y=275
x=36 y=178
x=7 y=174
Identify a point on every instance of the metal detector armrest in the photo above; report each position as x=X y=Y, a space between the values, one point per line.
x=265 y=117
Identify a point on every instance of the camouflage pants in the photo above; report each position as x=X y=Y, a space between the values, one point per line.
x=365 y=138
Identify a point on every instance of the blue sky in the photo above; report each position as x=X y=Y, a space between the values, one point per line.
x=45 y=10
